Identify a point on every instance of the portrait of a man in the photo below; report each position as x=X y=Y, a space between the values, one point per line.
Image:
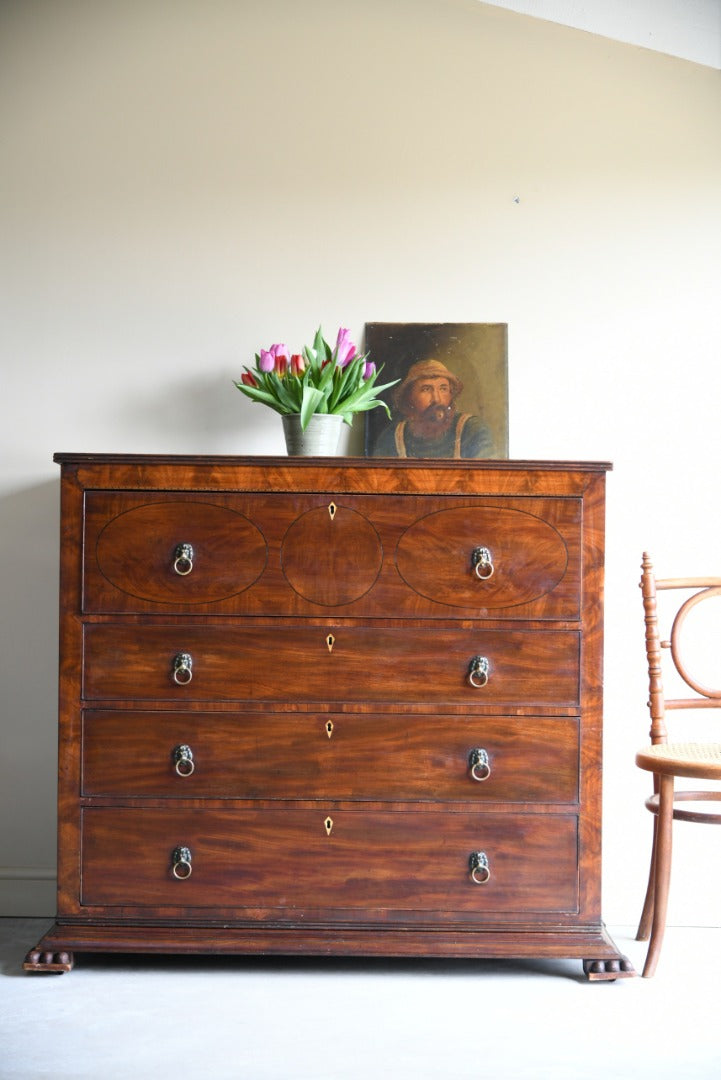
x=452 y=400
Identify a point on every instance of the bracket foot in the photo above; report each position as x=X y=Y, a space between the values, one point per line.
x=48 y=963
x=608 y=970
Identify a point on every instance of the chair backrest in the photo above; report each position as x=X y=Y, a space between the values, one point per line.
x=706 y=697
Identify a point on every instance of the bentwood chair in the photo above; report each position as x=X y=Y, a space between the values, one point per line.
x=668 y=760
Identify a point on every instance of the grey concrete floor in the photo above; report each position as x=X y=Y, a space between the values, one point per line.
x=128 y=1018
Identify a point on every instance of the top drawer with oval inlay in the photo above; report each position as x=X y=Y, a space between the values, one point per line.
x=309 y=554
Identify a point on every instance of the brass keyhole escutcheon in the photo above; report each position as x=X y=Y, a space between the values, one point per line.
x=329 y=729
x=328 y=824
x=331 y=510
x=330 y=642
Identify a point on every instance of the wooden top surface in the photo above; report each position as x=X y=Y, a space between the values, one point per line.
x=68 y=458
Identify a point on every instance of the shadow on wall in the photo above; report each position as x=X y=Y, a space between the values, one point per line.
x=203 y=415
x=28 y=673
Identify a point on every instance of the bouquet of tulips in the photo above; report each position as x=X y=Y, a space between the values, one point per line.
x=317 y=380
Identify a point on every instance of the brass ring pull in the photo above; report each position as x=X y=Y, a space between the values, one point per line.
x=182 y=859
x=183 y=668
x=482 y=561
x=183 y=758
x=479 y=764
x=479 y=671
x=183 y=562
x=480 y=869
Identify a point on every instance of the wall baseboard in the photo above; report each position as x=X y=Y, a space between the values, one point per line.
x=27 y=891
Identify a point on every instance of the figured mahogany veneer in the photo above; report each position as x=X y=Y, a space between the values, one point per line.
x=330 y=707
x=403 y=556
x=271 y=863
x=330 y=756
x=292 y=662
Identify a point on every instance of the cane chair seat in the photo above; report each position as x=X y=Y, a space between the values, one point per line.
x=667 y=760
x=702 y=760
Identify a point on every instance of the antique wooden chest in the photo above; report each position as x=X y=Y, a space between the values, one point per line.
x=330 y=707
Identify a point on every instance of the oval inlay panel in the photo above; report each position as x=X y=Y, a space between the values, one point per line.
x=136 y=552
x=435 y=557
x=331 y=558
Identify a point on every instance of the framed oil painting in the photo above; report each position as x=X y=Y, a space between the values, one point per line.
x=452 y=398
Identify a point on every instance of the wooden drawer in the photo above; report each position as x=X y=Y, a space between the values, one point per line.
x=265 y=663
x=369 y=554
x=341 y=756
x=281 y=863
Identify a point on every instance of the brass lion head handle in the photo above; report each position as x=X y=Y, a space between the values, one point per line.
x=482 y=563
x=479 y=867
x=478 y=672
x=183 y=560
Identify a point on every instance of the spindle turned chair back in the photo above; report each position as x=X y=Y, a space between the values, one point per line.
x=667 y=760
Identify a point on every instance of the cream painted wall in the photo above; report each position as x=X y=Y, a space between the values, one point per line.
x=183 y=182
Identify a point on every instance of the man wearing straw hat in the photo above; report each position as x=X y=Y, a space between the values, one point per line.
x=431 y=425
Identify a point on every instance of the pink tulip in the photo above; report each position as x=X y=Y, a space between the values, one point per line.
x=369 y=369
x=344 y=348
x=267 y=360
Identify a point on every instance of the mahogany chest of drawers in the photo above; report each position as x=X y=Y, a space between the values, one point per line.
x=330 y=707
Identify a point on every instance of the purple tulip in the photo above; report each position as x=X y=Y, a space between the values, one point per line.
x=369 y=369
x=344 y=348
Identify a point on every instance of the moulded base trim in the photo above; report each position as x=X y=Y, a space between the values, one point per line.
x=602 y=961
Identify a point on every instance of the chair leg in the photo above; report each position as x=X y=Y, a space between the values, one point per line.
x=644 y=927
x=664 y=827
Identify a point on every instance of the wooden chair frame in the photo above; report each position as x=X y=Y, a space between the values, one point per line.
x=668 y=760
